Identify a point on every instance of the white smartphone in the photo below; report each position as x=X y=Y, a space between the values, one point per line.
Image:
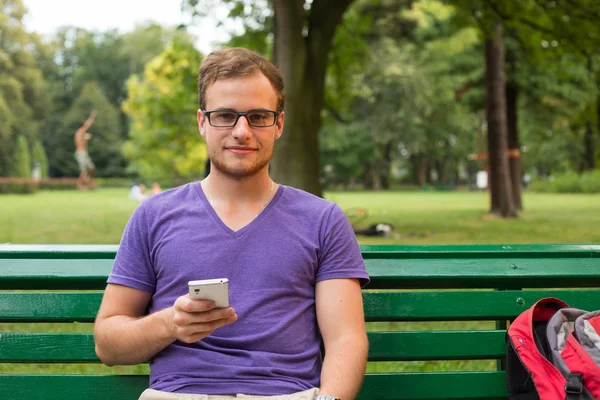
x=216 y=290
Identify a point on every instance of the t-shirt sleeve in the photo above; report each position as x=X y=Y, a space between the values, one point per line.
x=133 y=266
x=340 y=255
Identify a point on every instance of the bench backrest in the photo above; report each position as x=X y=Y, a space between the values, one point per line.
x=425 y=285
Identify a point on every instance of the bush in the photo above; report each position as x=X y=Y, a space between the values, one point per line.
x=18 y=186
x=590 y=181
x=570 y=182
x=21 y=162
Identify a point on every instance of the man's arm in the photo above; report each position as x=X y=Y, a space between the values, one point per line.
x=89 y=121
x=123 y=335
x=341 y=321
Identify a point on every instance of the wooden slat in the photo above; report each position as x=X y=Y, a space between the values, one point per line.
x=67 y=387
x=379 y=306
x=48 y=306
x=482 y=251
x=401 y=386
x=436 y=345
x=483 y=273
x=385 y=274
x=434 y=386
x=466 y=305
x=54 y=274
x=47 y=348
x=383 y=346
x=45 y=251
x=369 y=251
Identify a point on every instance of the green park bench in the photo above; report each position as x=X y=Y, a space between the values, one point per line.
x=414 y=290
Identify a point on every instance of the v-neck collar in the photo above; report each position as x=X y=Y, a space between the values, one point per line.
x=222 y=224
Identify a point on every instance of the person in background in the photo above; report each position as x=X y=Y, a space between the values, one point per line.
x=85 y=163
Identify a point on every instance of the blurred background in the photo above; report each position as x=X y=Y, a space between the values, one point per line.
x=457 y=121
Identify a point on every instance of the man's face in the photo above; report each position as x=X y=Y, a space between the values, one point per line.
x=240 y=151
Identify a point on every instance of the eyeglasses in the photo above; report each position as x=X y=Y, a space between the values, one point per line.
x=228 y=118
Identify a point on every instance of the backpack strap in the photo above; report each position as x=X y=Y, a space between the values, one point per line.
x=574 y=386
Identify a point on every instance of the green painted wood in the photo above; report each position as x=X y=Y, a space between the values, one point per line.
x=49 y=306
x=483 y=273
x=466 y=305
x=54 y=274
x=436 y=345
x=66 y=387
x=379 y=306
x=383 y=346
x=47 y=348
x=482 y=251
x=368 y=251
x=434 y=386
x=51 y=251
x=385 y=274
x=401 y=386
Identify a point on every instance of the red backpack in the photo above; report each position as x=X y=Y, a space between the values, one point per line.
x=553 y=353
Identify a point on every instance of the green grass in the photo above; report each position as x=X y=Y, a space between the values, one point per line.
x=98 y=217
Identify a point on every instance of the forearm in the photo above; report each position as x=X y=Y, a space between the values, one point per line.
x=344 y=366
x=124 y=340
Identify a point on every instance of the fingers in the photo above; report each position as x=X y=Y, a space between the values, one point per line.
x=193 y=320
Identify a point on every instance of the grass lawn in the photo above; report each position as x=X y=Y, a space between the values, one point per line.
x=69 y=217
x=98 y=217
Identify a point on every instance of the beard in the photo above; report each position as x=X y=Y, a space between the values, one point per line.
x=238 y=172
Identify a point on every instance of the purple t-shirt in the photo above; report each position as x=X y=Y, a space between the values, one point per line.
x=272 y=264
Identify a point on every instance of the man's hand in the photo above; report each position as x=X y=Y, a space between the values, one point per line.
x=93 y=115
x=192 y=320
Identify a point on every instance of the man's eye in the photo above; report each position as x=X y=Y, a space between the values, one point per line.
x=255 y=117
x=225 y=116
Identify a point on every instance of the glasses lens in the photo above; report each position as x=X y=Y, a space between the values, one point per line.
x=223 y=118
x=261 y=118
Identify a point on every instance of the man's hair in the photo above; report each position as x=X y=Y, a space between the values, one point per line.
x=234 y=62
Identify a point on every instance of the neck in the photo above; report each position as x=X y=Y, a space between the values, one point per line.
x=226 y=189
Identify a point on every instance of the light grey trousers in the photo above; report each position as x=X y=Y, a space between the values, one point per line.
x=151 y=394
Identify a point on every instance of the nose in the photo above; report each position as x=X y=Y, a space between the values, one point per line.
x=241 y=131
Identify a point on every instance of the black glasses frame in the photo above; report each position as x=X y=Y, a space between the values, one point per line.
x=242 y=114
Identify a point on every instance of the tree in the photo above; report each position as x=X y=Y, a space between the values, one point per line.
x=164 y=142
x=39 y=156
x=303 y=34
x=21 y=163
x=24 y=100
x=502 y=201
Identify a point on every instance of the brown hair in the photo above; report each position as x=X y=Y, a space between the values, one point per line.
x=235 y=62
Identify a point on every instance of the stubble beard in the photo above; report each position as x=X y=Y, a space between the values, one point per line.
x=239 y=173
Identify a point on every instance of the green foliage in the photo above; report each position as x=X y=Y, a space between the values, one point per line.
x=105 y=146
x=164 y=142
x=39 y=156
x=21 y=163
x=73 y=59
x=569 y=182
x=24 y=101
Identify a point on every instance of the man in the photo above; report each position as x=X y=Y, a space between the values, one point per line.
x=86 y=166
x=294 y=267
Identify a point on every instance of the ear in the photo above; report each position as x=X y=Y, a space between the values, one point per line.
x=279 y=125
x=201 y=123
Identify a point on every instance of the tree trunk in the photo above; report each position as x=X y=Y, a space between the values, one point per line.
x=502 y=203
x=588 y=141
x=303 y=62
x=514 y=159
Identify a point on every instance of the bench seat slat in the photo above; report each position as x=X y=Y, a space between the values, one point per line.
x=504 y=273
x=379 y=306
x=96 y=251
x=400 y=386
x=383 y=346
x=476 y=273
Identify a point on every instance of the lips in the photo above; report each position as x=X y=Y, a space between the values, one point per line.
x=240 y=149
